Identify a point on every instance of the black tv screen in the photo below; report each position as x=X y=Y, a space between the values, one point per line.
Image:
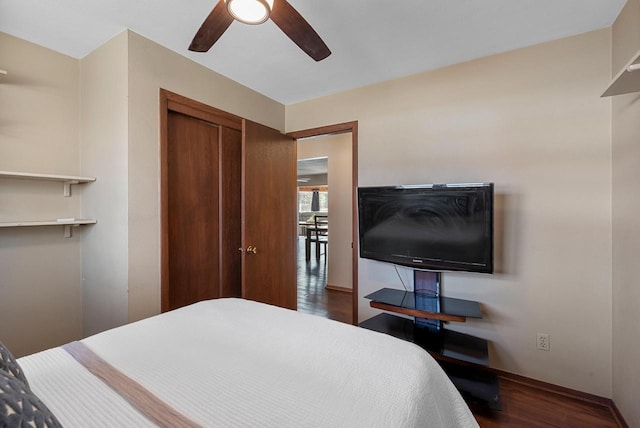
x=433 y=227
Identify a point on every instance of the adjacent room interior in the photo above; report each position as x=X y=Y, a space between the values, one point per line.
x=325 y=219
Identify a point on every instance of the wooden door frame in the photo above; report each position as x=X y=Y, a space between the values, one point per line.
x=343 y=128
x=170 y=101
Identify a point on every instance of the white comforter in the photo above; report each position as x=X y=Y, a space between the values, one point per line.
x=237 y=363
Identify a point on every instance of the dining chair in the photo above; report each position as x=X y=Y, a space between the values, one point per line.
x=320 y=233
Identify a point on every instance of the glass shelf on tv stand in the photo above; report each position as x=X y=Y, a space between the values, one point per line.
x=443 y=344
x=424 y=305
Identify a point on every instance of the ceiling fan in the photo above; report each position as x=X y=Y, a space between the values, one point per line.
x=256 y=12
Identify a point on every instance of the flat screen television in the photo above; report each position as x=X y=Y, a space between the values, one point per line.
x=440 y=227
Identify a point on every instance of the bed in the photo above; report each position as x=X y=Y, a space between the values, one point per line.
x=239 y=363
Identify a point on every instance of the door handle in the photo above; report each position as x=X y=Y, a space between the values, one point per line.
x=252 y=250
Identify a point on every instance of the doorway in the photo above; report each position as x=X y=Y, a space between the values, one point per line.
x=328 y=283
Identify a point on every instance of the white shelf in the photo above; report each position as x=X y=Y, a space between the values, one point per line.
x=67 y=180
x=68 y=224
x=627 y=80
x=75 y=222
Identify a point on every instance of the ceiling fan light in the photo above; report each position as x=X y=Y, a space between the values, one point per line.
x=250 y=11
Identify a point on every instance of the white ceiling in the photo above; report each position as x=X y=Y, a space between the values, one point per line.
x=313 y=166
x=371 y=40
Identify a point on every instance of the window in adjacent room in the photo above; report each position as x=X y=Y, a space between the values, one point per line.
x=306 y=196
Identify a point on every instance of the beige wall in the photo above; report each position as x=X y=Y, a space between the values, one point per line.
x=626 y=226
x=152 y=67
x=338 y=149
x=40 y=291
x=531 y=121
x=104 y=148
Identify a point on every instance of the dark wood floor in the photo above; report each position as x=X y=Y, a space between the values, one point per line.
x=523 y=405
x=313 y=297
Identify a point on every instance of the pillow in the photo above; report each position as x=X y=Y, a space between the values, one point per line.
x=19 y=407
x=9 y=364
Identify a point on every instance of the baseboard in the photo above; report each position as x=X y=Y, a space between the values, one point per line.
x=544 y=386
x=567 y=392
x=617 y=415
x=338 y=288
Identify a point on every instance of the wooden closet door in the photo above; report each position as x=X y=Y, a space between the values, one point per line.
x=226 y=184
x=269 y=217
x=193 y=210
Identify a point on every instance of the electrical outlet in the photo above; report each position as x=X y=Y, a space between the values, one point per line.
x=543 y=341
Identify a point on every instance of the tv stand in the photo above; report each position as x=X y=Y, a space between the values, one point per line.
x=463 y=357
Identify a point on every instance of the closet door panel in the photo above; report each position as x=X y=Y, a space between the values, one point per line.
x=193 y=163
x=269 y=216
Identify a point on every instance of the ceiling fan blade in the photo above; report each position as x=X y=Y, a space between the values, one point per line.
x=298 y=30
x=212 y=28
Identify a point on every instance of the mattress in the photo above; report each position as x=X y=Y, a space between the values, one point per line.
x=239 y=363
